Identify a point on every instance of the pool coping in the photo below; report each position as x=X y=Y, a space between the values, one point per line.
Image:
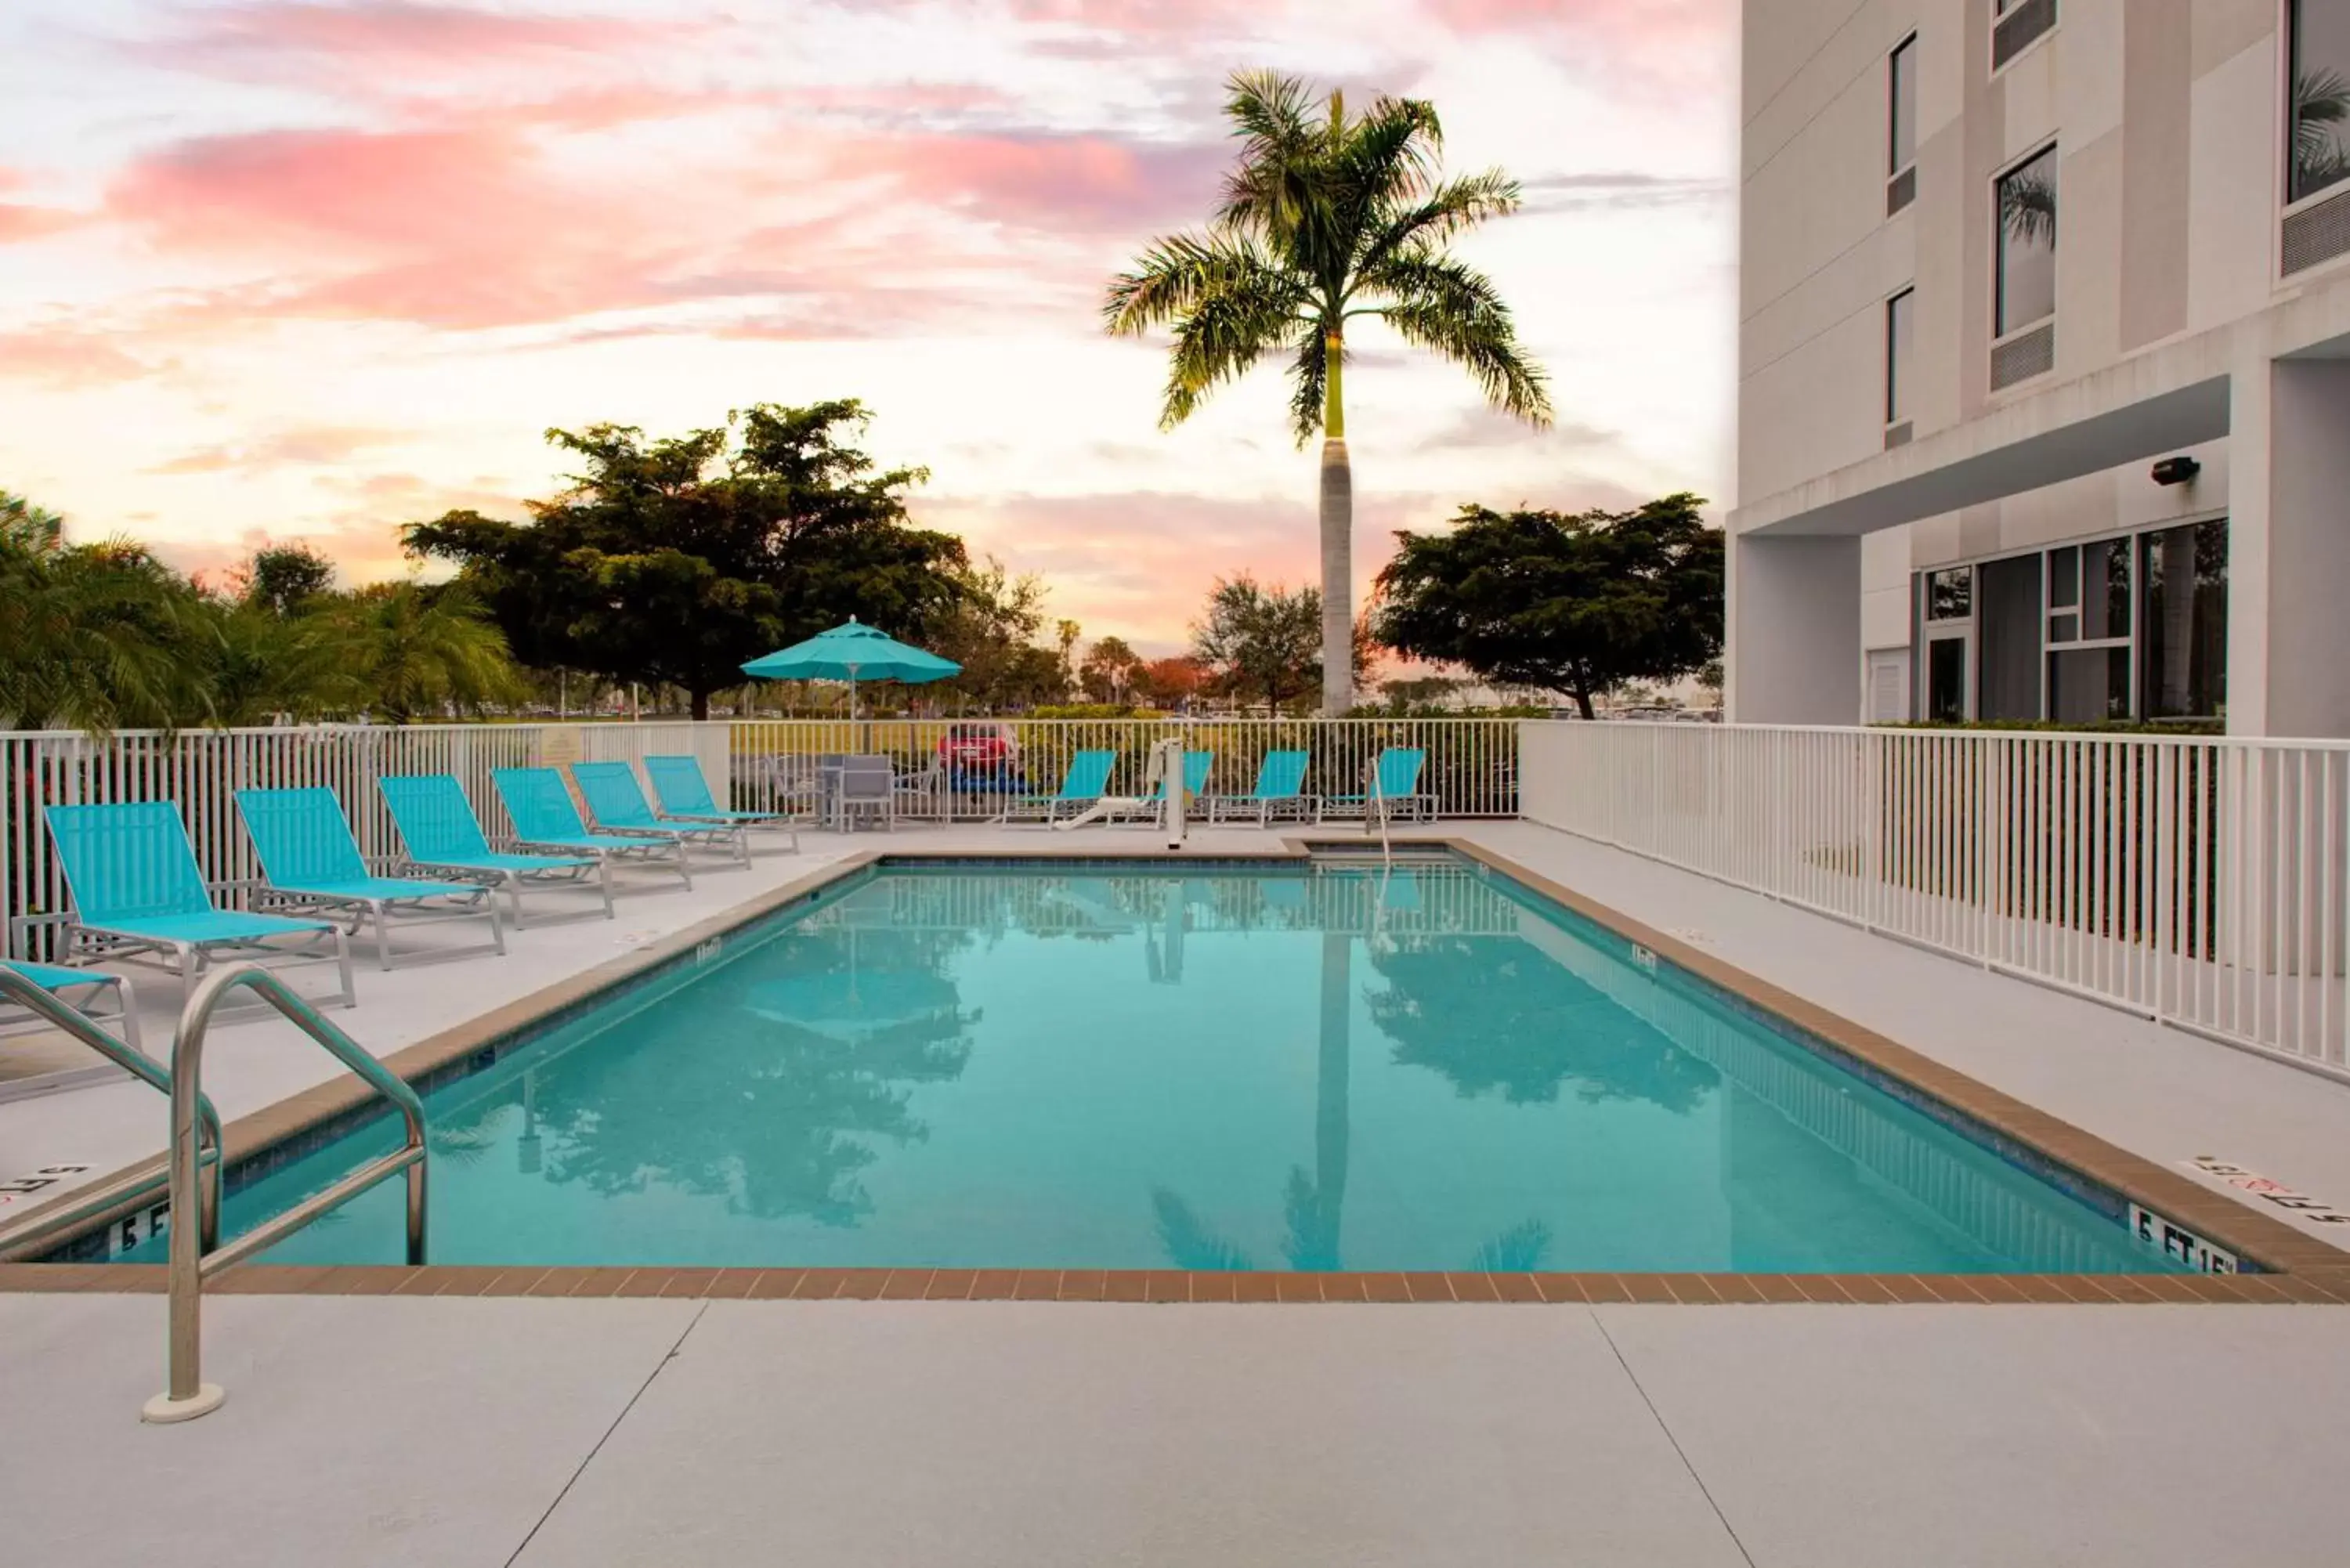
x=2298 y=1268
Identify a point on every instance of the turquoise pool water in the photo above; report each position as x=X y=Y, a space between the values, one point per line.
x=1226 y=1068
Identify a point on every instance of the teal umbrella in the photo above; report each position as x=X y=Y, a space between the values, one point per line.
x=852 y=652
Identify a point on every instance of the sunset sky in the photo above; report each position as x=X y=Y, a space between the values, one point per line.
x=273 y=270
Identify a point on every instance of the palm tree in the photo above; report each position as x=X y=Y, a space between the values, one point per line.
x=1326 y=220
x=94 y=635
x=416 y=649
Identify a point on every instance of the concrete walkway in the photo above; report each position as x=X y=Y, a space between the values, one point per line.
x=616 y=1434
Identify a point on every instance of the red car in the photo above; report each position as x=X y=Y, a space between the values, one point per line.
x=983 y=746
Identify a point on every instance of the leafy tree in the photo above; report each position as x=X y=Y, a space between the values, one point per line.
x=1573 y=603
x=990 y=630
x=1259 y=641
x=1110 y=671
x=1170 y=683
x=673 y=561
x=281 y=578
x=1325 y=221
x=91 y=636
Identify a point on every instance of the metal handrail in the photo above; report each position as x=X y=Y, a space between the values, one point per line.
x=32 y=1236
x=188 y=1395
x=1375 y=805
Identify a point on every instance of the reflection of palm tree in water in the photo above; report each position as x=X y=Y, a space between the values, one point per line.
x=1315 y=1203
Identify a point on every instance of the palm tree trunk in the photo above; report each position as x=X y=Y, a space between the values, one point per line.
x=1337 y=539
x=1332 y=1101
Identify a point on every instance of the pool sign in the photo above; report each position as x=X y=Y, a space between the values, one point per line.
x=48 y=1176
x=2300 y=1204
x=2178 y=1242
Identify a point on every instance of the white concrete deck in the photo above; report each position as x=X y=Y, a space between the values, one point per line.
x=624 y=1432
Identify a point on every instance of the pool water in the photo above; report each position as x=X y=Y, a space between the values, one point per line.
x=1130 y=1067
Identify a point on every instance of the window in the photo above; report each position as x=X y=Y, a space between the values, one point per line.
x=2316 y=156
x=1950 y=594
x=2027 y=244
x=1900 y=335
x=1902 y=73
x=2184 y=669
x=2020 y=25
x=2115 y=629
x=2008 y=632
x=1901 y=127
x=1946 y=681
x=2089 y=626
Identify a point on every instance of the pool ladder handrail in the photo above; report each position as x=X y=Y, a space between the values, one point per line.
x=187 y=1395
x=1375 y=805
x=30 y=1237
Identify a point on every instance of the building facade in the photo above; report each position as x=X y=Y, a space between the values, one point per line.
x=2044 y=379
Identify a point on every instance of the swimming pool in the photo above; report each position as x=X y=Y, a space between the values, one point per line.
x=1222 y=1067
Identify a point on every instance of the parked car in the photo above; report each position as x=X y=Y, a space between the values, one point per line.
x=981 y=746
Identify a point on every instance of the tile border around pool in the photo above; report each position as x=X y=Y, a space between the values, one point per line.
x=2302 y=1269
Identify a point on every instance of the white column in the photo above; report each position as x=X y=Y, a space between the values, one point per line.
x=1793 y=635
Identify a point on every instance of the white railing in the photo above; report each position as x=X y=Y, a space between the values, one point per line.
x=952 y=770
x=1472 y=771
x=2197 y=880
x=203 y=769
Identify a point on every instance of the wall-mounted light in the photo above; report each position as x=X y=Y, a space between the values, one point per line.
x=2176 y=471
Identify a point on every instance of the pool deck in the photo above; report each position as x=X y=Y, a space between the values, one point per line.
x=399 y=1429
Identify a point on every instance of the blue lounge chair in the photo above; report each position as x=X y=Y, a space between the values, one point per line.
x=684 y=794
x=1280 y=791
x=1197 y=765
x=1398 y=794
x=618 y=805
x=544 y=818
x=1081 y=787
x=310 y=861
x=439 y=832
x=103 y=998
x=137 y=890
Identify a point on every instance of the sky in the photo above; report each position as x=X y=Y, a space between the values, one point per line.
x=279 y=270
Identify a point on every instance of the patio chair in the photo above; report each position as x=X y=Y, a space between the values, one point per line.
x=925 y=795
x=103 y=998
x=309 y=861
x=619 y=806
x=439 y=832
x=544 y=820
x=1398 y=794
x=866 y=786
x=137 y=890
x=1197 y=765
x=794 y=782
x=684 y=796
x=1081 y=786
x=1280 y=791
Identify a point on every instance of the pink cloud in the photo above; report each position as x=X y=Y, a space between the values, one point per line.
x=270 y=37
x=62 y=357
x=1076 y=183
x=1140 y=564
x=1673 y=40
x=19 y=221
x=307 y=445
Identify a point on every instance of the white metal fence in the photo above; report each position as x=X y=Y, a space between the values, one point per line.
x=962 y=770
x=201 y=770
x=2197 y=880
x=1472 y=771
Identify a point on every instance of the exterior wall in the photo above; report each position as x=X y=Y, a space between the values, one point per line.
x=2168 y=116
